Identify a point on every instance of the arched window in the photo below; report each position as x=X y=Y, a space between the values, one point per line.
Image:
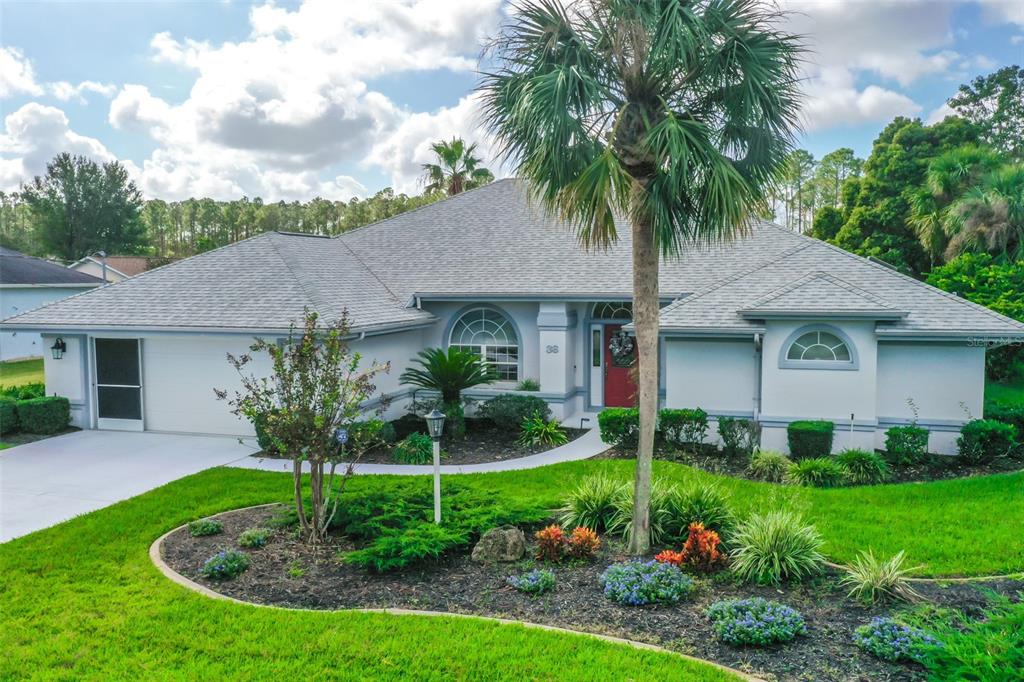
x=491 y=336
x=818 y=348
x=613 y=310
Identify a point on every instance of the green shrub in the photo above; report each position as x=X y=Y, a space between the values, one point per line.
x=592 y=503
x=683 y=428
x=254 y=538
x=538 y=431
x=262 y=438
x=370 y=433
x=755 y=622
x=906 y=445
x=528 y=385
x=636 y=583
x=810 y=438
x=981 y=441
x=620 y=426
x=989 y=647
x=739 y=436
x=225 y=565
x=509 y=411
x=700 y=503
x=24 y=391
x=874 y=580
x=1008 y=414
x=891 y=640
x=776 y=546
x=204 y=527
x=661 y=519
x=864 y=467
x=769 y=465
x=817 y=472
x=416 y=448
x=51 y=414
x=8 y=415
x=408 y=545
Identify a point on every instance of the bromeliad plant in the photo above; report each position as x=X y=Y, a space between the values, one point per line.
x=317 y=386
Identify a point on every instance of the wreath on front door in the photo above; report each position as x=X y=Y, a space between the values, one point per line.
x=621 y=346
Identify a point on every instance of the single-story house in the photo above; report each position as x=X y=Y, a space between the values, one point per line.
x=27 y=283
x=112 y=268
x=774 y=326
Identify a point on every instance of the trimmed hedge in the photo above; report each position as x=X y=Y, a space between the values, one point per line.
x=810 y=438
x=906 y=444
x=8 y=415
x=509 y=411
x=1008 y=414
x=739 y=436
x=984 y=440
x=620 y=425
x=51 y=414
x=683 y=427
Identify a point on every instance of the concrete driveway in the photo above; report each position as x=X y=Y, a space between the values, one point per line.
x=52 y=480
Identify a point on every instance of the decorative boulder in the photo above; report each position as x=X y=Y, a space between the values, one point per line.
x=506 y=543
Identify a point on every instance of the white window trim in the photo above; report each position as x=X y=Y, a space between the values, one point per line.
x=852 y=364
x=518 y=364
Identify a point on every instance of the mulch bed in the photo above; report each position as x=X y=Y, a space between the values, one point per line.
x=937 y=468
x=483 y=443
x=288 y=573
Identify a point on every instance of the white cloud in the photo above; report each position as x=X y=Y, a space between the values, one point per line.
x=1004 y=11
x=33 y=135
x=16 y=73
x=939 y=113
x=65 y=91
x=1017 y=40
x=834 y=100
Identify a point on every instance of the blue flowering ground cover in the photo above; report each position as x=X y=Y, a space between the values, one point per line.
x=891 y=640
x=755 y=622
x=225 y=565
x=537 y=581
x=636 y=583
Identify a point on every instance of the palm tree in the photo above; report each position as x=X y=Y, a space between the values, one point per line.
x=675 y=115
x=989 y=217
x=449 y=374
x=457 y=168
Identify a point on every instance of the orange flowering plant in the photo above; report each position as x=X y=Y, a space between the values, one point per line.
x=701 y=549
x=669 y=557
x=583 y=543
x=550 y=543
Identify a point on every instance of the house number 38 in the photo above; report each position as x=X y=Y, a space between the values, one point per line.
x=551 y=349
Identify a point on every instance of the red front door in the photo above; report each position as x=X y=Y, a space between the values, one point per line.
x=619 y=387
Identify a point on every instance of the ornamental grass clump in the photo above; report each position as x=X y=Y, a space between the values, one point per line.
x=537 y=431
x=535 y=582
x=703 y=504
x=817 y=472
x=662 y=513
x=203 y=527
x=225 y=565
x=776 y=546
x=636 y=583
x=592 y=503
x=864 y=467
x=873 y=580
x=769 y=465
x=890 y=640
x=755 y=622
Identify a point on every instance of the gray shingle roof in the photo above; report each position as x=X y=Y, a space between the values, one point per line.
x=495 y=242
x=819 y=293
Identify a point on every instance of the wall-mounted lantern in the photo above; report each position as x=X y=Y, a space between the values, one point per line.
x=58 y=349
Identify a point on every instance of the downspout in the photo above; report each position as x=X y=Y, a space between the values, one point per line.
x=757 y=375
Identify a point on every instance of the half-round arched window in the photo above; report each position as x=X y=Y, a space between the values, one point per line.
x=818 y=348
x=613 y=310
x=489 y=334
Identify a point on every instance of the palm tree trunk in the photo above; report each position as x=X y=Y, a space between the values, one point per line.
x=645 y=319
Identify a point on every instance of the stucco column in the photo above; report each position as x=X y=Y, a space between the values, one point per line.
x=555 y=325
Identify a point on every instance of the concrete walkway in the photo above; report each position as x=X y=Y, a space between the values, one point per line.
x=587 y=445
x=52 y=480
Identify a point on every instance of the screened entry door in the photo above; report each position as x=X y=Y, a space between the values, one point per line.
x=118 y=384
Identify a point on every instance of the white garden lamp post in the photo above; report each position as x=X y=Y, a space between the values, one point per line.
x=435 y=426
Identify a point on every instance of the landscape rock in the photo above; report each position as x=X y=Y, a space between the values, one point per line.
x=505 y=543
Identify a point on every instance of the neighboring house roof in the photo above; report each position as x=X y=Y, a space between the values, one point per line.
x=125 y=266
x=17 y=269
x=494 y=243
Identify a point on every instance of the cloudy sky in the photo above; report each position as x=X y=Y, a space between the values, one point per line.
x=290 y=100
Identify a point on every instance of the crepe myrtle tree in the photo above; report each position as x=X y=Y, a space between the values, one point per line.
x=673 y=115
x=316 y=387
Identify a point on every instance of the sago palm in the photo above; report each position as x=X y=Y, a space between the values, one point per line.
x=674 y=115
x=457 y=168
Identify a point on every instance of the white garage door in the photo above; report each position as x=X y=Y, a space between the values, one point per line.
x=180 y=374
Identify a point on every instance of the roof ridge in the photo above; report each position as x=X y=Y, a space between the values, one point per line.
x=819 y=274
x=300 y=278
x=813 y=241
x=392 y=294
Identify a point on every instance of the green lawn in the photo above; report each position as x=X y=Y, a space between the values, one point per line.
x=1010 y=393
x=21 y=372
x=82 y=600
